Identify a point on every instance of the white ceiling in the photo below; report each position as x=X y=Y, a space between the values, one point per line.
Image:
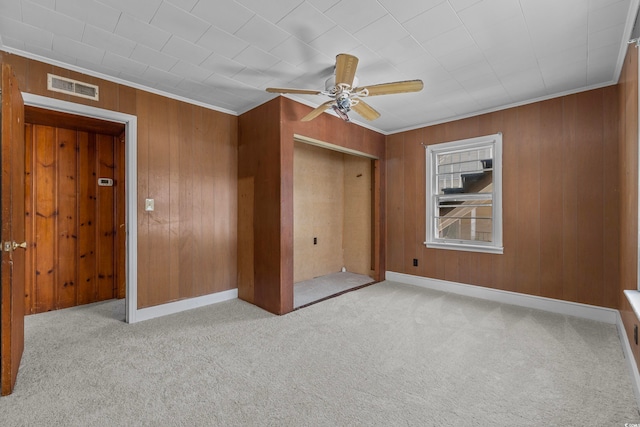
x=473 y=55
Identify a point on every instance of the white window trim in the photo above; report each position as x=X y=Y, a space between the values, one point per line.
x=431 y=151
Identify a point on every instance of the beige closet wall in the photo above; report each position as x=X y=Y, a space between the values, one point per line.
x=357 y=233
x=332 y=202
x=318 y=206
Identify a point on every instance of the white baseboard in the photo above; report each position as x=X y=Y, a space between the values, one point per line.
x=585 y=311
x=183 y=305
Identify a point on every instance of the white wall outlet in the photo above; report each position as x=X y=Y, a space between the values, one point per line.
x=149 y=205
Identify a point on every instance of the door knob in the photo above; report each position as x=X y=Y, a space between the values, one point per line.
x=22 y=245
x=12 y=246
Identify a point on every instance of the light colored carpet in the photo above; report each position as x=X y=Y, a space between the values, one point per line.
x=316 y=289
x=388 y=354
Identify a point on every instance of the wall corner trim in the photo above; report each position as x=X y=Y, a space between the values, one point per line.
x=584 y=311
x=184 y=305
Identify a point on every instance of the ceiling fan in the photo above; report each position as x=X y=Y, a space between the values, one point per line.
x=345 y=93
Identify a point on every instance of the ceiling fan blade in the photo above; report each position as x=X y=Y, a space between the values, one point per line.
x=315 y=113
x=345 y=68
x=365 y=110
x=391 y=88
x=300 y=91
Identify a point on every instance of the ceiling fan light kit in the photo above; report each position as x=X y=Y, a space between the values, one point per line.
x=345 y=93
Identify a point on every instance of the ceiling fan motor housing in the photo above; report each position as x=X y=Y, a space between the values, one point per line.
x=330 y=84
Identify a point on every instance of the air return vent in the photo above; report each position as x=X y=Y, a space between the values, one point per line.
x=72 y=87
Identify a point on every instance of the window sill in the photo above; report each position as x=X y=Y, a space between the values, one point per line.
x=466 y=248
x=633 y=296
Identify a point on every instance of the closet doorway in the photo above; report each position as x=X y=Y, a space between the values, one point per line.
x=332 y=222
x=75 y=210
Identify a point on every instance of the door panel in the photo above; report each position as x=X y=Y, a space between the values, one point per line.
x=44 y=211
x=29 y=272
x=86 y=220
x=73 y=230
x=106 y=221
x=66 y=216
x=12 y=267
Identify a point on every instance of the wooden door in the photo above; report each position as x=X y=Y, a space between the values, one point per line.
x=12 y=267
x=71 y=217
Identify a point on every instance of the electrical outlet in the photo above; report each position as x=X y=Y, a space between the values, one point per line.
x=315 y=240
x=415 y=262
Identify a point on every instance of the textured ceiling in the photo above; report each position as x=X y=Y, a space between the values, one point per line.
x=473 y=55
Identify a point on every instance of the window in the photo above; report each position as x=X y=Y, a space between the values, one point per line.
x=464 y=194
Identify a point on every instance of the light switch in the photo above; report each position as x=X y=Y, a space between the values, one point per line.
x=148 y=205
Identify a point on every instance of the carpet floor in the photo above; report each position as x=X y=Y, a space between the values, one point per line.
x=387 y=354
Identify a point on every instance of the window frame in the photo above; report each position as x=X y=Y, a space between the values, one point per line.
x=431 y=154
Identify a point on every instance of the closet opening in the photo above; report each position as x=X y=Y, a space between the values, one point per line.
x=333 y=222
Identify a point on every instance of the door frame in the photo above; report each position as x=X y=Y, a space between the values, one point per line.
x=131 y=188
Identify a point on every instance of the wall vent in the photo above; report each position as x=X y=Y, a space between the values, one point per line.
x=72 y=87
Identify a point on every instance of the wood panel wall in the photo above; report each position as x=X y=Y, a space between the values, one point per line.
x=259 y=208
x=265 y=173
x=628 y=177
x=188 y=165
x=560 y=201
x=32 y=78
x=187 y=162
x=71 y=221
